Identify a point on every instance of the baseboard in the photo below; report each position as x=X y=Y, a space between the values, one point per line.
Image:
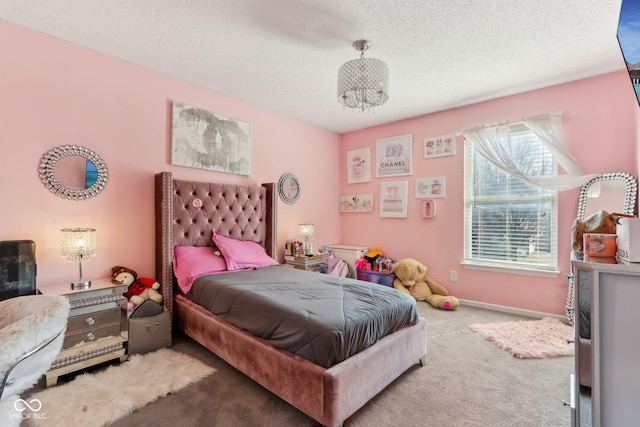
x=512 y=310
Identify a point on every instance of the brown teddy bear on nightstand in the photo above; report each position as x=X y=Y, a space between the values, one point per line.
x=140 y=289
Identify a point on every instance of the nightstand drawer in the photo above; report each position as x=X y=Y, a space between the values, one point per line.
x=92 y=320
x=90 y=335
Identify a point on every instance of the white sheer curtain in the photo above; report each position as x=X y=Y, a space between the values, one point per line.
x=494 y=143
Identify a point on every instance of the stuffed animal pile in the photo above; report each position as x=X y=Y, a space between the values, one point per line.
x=374 y=260
x=140 y=289
x=412 y=278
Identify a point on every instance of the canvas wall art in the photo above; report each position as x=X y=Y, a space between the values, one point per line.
x=356 y=203
x=393 y=199
x=359 y=165
x=205 y=140
x=440 y=146
x=393 y=156
x=430 y=188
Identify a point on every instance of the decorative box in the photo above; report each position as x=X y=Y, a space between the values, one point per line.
x=628 y=239
x=599 y=245
x=376 y=277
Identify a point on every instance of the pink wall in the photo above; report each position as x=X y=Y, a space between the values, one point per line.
x=55 y=93
x=600 y=130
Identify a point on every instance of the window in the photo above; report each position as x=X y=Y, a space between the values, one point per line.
x=507 y=222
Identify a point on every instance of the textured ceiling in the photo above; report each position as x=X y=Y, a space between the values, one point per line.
x=283 y=55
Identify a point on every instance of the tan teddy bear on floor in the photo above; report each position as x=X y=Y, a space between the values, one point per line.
x=412 y=278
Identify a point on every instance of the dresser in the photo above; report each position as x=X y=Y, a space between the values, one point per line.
x=96 y=329
x=607 y=317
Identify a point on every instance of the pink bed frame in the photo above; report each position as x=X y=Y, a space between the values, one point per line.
x=329 y=396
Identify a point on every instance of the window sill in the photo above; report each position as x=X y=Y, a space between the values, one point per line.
x=512 y=270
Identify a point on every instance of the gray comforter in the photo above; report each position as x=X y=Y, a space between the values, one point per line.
x=322 y=318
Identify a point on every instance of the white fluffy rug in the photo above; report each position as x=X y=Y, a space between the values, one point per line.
x=100 y=399
x=529 y=339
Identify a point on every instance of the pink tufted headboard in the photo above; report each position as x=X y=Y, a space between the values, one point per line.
x=187 y=212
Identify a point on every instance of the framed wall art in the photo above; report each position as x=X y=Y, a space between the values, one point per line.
x=393 y=199
x=440 y=146
x=356 y=203
x=394 y=155
x=430 y=188
x=359 y=165
x=205 y=140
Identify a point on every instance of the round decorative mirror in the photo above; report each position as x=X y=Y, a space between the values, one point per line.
x=73 y=172
x=289 y=188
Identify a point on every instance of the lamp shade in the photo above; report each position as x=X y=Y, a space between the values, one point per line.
x=78 y=244
x=306 y=230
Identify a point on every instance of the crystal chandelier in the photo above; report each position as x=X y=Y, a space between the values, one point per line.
x=363 y=83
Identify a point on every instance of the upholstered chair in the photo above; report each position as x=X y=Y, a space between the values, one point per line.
x=32 y=330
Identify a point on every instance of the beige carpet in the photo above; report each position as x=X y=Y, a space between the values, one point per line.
x=100 y=399
x=529 y=339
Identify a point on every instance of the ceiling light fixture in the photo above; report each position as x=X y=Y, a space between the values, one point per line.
x=363 y=83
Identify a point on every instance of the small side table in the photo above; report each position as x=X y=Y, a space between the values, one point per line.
x=96 y=329
x=316 y=263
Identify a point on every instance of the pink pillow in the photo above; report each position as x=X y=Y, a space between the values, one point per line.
x=191 y=262
x=242 y=254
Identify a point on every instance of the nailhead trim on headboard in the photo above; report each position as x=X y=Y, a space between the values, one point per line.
x=187 y=212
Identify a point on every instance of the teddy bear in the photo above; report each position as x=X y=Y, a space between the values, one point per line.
x=143 y=289
x=412 y=278
x=122 y=275
x=140 y=289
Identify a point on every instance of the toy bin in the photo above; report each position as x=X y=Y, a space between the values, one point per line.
x=376 y=277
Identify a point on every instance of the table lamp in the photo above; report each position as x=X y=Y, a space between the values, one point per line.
x=306 y=234
x=78 y=244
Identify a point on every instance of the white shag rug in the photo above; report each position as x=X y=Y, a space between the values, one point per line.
x=100 y=399
x=529 y=339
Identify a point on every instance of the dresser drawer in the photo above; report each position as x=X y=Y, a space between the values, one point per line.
x=90 y=335
x=92 y=320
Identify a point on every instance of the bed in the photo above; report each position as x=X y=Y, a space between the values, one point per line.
x=187 y=213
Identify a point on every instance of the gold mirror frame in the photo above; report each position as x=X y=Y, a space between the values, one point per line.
x=48 y=176
x=286 y=184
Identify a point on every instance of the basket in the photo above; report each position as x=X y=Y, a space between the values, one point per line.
x=376 y=277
